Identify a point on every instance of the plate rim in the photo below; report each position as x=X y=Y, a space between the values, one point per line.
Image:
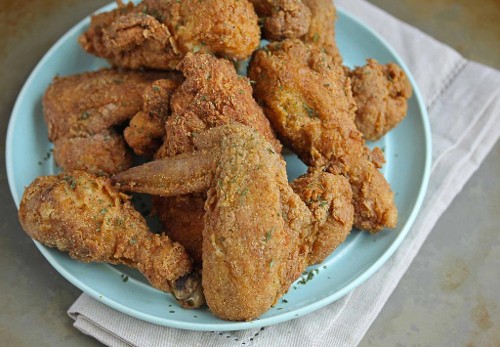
x=231 y=326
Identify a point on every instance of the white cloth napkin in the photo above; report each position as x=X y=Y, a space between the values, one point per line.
x=463 y=100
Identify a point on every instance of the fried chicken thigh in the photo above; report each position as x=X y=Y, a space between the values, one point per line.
x=86 y=216
x=309 y=102
x=381 y=93
x=258 y=234
x=158 y=33
x=81 y=111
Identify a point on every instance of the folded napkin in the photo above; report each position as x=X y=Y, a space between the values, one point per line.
x=463 y=101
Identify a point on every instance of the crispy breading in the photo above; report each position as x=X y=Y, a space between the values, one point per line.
x=212 y=95
x=158 y=33
x=283 y=19
x=308 y=99
x=85 y=215
x=81 y=110
x=321 y=32
x=258 y=234
x=147 y=128
x=381 y=93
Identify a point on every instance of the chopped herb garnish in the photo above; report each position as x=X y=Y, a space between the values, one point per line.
x=132 y=241
x=124 y=278
x=310 y=111
x=315 y=37
x=156 y=88
x=84 y=115
x=284 y=301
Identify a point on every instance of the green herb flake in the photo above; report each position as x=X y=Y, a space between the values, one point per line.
x=284 y=301
x=84 y=115
x=315 y=37
x=132 y=241
x=104 y=211
x=124 y=278
x=310 y=111
x=156 y=88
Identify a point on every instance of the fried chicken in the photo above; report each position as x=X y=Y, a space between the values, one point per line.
x=381 y=93
x=283 y=19
x=146 y=130
x=81 y=111
x=258 y=234
x=321 y=33
x=212 y=95
x=158 y=33
x=308 y=100
x=86 y=216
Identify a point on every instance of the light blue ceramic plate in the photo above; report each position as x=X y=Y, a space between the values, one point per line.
x=407 y=150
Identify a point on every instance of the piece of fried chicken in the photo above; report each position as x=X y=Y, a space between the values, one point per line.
x=82 y=110
x=258 y=234
x=146 y=131
x=321 y=33
x=381 y=93
x=212 y=94
x=158 y=33
x=282 y=19
x=308 y=100
x=86 y=216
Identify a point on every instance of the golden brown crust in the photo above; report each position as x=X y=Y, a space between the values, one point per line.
x=381 y=93
x=84 y=215
x=258 y=235
x=212 y=95
x=80 y=111
x=329 y=197
x=283 y=18
x=104 y=153
x=157 y=34
x=147 y=128
x=308 y=99
x=321 y=33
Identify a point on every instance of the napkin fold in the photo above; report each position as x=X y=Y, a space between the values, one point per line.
x=463 y=101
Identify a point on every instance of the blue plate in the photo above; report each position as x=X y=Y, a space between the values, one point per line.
x=407 y=150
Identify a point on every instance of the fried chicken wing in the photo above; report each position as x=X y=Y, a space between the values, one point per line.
x=308 y=100
x=212 y=95
x=381 y=93
x=158 y=33
x=258 y=234
x=283 y=18
x=80 y=111
x=86 y=216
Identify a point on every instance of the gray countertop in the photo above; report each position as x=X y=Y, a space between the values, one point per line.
x=450 y=294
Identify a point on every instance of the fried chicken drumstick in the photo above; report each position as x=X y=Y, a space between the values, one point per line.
x=258 y=234
x=158 y=33
x=308 y=100
x=86 y=216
